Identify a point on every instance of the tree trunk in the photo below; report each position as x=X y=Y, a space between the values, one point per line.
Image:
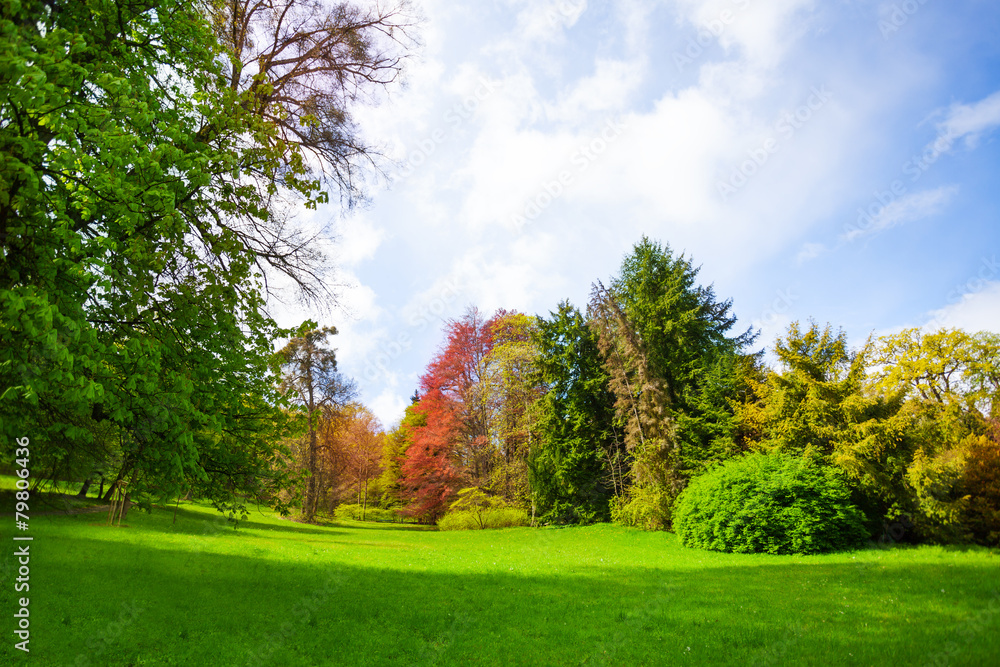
x=85 y=488
x=364 y=508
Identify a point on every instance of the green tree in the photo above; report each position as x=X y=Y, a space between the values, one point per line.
x=674 y=371
x=578 y=462
x=819 y=405
x=309 y=378
x=143 y=204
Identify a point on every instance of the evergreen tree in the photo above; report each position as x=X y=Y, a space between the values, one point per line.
x=578 y=462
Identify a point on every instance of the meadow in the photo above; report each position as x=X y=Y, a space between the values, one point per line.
x=275 y=592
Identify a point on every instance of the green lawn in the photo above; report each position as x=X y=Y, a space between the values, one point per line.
x=279 y=593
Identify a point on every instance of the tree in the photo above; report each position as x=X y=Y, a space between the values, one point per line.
x=508 y=390
x=579 y=461
x=304 y=64
x=673 y=370
x=951 y=382
x=143 y=202
x=310 y=379
x=365 y=442
x=819 y=406
x=396 y=443
x=432 y=471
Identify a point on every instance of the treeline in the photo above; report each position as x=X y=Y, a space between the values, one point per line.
x=610 y=413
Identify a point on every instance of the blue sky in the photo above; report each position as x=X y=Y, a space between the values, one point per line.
x=831 y=160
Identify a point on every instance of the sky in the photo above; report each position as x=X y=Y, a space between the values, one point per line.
x=830 y=160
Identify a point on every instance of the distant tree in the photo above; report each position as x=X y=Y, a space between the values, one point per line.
x=397 y=442
x=432 y=469
x=310 y=379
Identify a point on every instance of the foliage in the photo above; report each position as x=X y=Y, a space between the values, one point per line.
x=132 y=330
x=490 y=518
x=664 y=342
x=819 y=405
x=145 y=196
x=951 y=380
x=310 y=381
x=507 y=391
x=578 y=462
x=769 y=503
x=355 y=512
x=397 y=441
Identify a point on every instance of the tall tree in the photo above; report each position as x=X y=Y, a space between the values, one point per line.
x=310 y=379
x=143 y=202
x=578 y=462
x=397 y=442
x=509 y=389
x=665 y=343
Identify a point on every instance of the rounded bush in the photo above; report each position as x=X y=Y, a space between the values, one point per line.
x=769 y=503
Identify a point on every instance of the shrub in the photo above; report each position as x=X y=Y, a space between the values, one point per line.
x=494 y=517
x=769 y=503
x=645 y=507
x=355 y=512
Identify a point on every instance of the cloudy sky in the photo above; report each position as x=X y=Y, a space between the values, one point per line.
x=835 y=160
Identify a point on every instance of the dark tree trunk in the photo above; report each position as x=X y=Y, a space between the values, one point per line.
x=85 y=488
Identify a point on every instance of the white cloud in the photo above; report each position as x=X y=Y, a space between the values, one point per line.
x=608 y=89
x=908 y=208
x=975 y=311
x=761 y=31
x=968 y=121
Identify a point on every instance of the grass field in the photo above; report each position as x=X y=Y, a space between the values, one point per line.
x=275 y=592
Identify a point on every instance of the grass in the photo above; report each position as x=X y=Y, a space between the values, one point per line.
x=276 y=592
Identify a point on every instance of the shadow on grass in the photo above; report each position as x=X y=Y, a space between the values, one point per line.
x=136 y=604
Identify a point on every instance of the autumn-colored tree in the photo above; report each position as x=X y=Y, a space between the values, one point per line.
x=475 y=398
x=431 y=471
x=951 y=380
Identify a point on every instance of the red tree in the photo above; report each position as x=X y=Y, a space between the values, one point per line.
x=452 y=449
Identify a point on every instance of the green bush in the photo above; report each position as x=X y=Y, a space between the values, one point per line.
x=769 y=503
x=494 y=517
